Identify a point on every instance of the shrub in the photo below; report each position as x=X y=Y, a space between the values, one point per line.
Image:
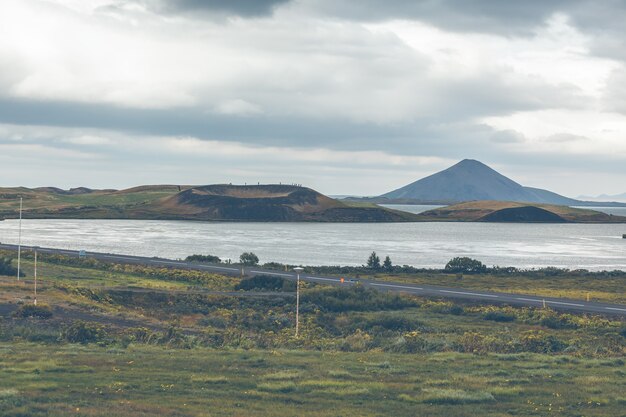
x=266 y=282
x=465 y=265
x=249 y=258
x=6 y=268
x=211 y=259
x=274 y=265
x=499 y=316
x=359 y=341
x=35 y=311
x=356 y=298
x=83 y=332
x=559 y=322
x=457 y=310
x=539 y=342
x=413 y=342
x=392 y=322
x=474 y=342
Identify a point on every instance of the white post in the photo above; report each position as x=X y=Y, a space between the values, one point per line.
x=298 y=270
x=297 y=304
x=35 y=276
x=19 y=243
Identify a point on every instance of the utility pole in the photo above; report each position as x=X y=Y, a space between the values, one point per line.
x=35 y=275
x=19 y=242
x=298 y=270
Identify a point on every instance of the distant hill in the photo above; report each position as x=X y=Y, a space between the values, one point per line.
x=513 y=212
x=471 y=180
x=267 y=203
x=606 y=197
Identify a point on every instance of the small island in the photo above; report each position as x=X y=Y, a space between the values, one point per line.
x=513 y=212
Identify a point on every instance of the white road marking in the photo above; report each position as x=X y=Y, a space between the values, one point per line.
x=119 y=257
x=396 y=286
x=272 y=273
x=470 y=293
x=529 y=299
x=209 y=267
x=565 y=304
x=323 y=279
x=616 y=309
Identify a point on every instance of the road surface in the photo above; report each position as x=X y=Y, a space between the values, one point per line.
x=418 y=289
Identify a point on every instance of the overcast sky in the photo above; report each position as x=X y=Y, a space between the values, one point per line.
x=347 y=97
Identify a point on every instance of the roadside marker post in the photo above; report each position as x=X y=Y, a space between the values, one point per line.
x=588 y=294
x=544 y=303
x=298 y=270
x=19 y=242
x=35 y=301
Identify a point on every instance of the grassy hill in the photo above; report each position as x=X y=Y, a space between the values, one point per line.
x=507 y=211
x=278 y=203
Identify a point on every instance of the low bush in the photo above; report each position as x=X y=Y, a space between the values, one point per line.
x=211 y=259
x=267 y=283
x=84 y=333
x=357 y=298
x=249 y=258
x=7 y=268
x=499 y=316
x=465 y=265
x=35 y=311
x=539 y=342
x=558 y=322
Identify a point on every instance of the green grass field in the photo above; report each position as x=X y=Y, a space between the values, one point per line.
x=89 y=380
x=139 y=341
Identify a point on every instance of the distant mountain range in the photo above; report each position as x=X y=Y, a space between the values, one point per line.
x=471 y=180
x=605 y=197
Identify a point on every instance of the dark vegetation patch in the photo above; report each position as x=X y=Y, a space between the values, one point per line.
x=7 y=268
x=266 y=283
x=33 y=311
x=526 y=214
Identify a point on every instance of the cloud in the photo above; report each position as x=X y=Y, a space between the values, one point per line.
x=236 y=7
x=615 y=92
x=508 y=136
x=387 y=81
x=88 y=140
x=238 y=107
x=485 y=16
x=566 y=138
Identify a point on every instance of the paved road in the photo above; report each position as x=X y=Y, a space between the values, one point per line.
x=422 y=290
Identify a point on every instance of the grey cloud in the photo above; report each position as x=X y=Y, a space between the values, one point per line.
x=508 y=136
x=449 y=124
x=615 y=91
x=246 y=8
x=603 y=19
x=506 y=17
x=566 y=138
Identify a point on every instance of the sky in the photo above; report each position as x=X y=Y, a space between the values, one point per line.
x=346 y=97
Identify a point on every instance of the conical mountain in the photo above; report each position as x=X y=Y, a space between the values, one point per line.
x=471 y=180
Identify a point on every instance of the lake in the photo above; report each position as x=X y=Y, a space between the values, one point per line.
x=590 y=246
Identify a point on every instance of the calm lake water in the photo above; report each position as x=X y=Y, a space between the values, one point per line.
x=590 y=246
